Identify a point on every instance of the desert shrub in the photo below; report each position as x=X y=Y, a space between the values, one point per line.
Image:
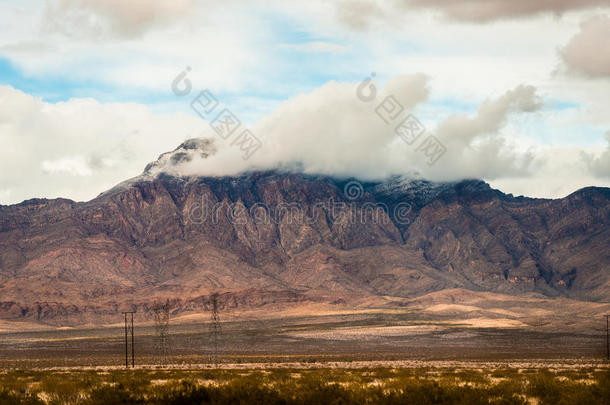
x=507 y=392
x=550 y=390
x=63 y=388
x=107 y=394
x=240 y=391
x=512 y=400
x=315 y=391
x=472 y=376
x=136 y=382
x=16 y=382
x=10 y=398
x=603 y=383
x=382 y=386
x=180 y=393
x=424 y=392
x=505 y=373
x=246 y=392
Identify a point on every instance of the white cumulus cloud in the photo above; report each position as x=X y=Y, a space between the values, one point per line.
x=113 y=17
x=588 y=52
x=79 y=148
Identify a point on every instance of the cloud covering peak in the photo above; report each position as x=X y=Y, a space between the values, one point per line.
x=333 y=130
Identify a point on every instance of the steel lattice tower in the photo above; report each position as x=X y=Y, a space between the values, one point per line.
x=162 y=343
x=215 y=326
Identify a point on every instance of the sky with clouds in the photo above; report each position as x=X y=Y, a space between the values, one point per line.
x=516 y=92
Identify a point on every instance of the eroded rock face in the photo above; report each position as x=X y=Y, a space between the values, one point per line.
x=272 y=237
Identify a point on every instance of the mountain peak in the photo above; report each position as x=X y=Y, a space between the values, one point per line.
x=187 y=151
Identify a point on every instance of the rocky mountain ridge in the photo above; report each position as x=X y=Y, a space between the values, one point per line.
x=284 y=237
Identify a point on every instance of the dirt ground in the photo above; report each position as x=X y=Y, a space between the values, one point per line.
x=389 y=338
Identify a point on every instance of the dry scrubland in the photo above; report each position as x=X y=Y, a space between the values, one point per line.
x=370 y=357
x=423 y=385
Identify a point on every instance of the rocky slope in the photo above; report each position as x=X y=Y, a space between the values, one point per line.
x=284 y=237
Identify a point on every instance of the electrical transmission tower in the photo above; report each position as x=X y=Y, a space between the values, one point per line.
x=215 y=326
x=162 y=352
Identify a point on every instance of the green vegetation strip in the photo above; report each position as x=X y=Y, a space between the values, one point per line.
x=419 y=386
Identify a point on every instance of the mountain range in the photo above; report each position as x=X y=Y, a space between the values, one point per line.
x=286 y=238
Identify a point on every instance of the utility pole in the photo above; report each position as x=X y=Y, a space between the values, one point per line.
x=607 y=337
x=128 y=326
x=133 y=346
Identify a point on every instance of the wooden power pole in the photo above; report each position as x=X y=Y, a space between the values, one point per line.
x=608 y=337
x=129 y=325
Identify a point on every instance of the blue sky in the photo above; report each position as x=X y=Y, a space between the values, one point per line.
x=86 y=89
